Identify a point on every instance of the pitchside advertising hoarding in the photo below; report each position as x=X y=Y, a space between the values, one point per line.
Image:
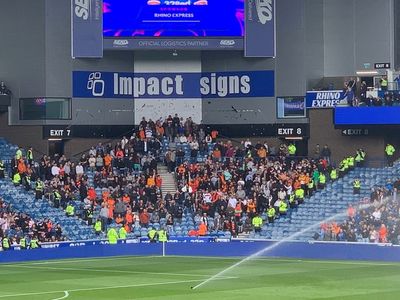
x=326 y=99
x=93 y=84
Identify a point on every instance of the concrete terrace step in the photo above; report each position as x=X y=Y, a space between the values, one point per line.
x=169 y=184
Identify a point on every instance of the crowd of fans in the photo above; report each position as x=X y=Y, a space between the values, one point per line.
x=17 y=226
x=230 y=190
x=376 y=221
x=236 y=184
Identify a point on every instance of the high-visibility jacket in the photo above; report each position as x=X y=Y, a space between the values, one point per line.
x=359 y=156
x=5 y=243
x=112 y=236
x=310 y=184
x=70 y=210
x=333 y=175
x=292 y=149
x=292 y=198
x=17 y=178
x=257 y=221
x=57 y=195
x=162 y=235
x=363 y=154
x=22 y=243
x=18 y=154
x=271 y=212
x=299 y=193
x=350 y=161
x=34 y=243
x=39 y=186
x=357 y=184
x=283 y=207
x=384 y=83
x=152 y=234
x=29 y=154
x=122 y=233
x=389 y=150
x=97 y=226
x=322 y=178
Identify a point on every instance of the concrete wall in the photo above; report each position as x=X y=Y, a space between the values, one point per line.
x=357 y=32
x=322 y=132
x=52 y=71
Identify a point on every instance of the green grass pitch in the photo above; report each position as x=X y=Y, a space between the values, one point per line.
x=172 y=278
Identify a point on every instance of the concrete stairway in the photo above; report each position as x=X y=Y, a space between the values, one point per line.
x=168 y=180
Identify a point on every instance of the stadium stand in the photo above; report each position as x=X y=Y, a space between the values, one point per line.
x=375 y=224
x=220 y=187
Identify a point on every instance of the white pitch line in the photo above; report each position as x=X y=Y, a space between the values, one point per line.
x=106 y=288
x=116 y=271
x=340 y=262
x=77 y=260
x=66 y=294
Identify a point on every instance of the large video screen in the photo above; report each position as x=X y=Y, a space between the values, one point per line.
x=173 y=18
x=386 y=115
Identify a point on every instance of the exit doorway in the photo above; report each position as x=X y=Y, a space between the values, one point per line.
x=56 y=147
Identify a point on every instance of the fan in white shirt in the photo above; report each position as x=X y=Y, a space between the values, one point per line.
x=207 y=197
x=55 y=170
x=79 y=169
x=232 y=202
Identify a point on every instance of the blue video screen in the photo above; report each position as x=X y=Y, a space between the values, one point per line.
x=173 y=18
x=385 y=115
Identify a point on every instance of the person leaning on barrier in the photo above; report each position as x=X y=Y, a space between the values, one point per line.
x=152 y=235
x=112 y=236
x=162 y=235
x=34 y=243
x=23 y=243
x=122 y=234
x=5 y=243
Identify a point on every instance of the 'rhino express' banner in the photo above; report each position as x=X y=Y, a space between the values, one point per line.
x=96 y=84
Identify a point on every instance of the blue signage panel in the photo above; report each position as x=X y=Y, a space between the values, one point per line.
x=291 y=107
x=386 y=115
x=260 y=28
x=325 y=99
x=89 y=84
x=87 y=28
x=178 y=18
